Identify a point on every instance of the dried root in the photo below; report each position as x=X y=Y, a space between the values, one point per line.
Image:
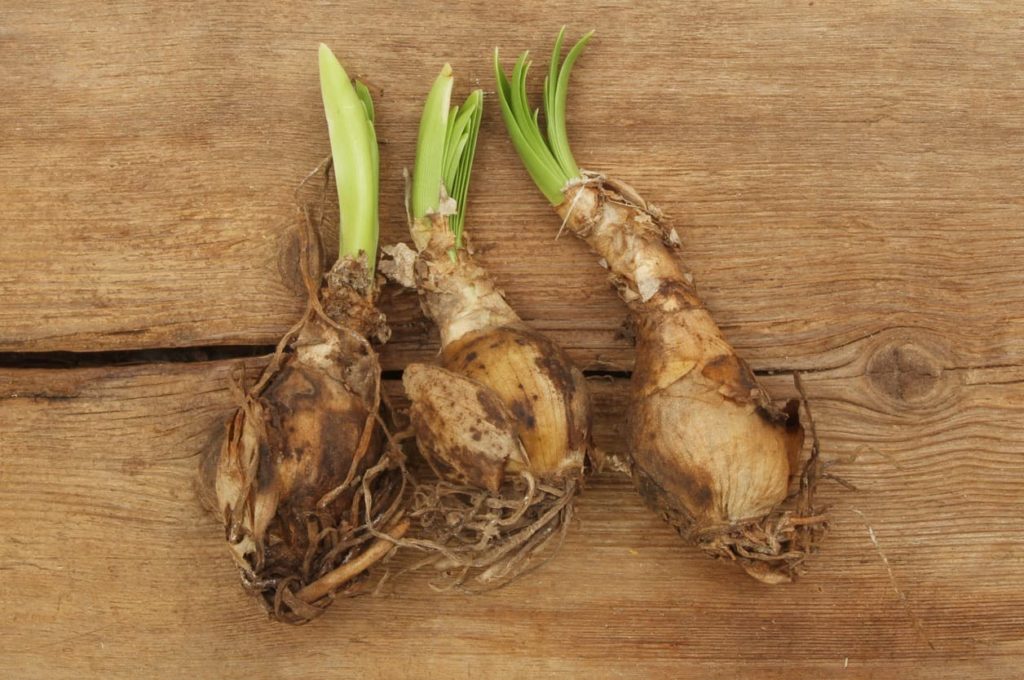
x=308 y=485
x=337 y=553
x=490 y=538
x=504 y=423
x=710 y=449
x=771 y=548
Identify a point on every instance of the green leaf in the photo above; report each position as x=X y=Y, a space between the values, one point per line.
x=364 y=96
x=430 y=146
x=445 y=151
x=557 y=134
x=527 y=122
x=551 y=81
x=458 y=184
x=540 y=162
x=349 y=113
x=549 y=161
x=459 y=122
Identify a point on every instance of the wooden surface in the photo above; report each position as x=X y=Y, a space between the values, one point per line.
x=847 y=180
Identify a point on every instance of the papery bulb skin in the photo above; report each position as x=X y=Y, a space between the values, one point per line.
x=301 y=453
x=535 y=380
x=710 y=450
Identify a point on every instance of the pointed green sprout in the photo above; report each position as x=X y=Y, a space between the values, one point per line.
x=349 y=111
x=444 y=152
x=430 y=145
x=549 y=161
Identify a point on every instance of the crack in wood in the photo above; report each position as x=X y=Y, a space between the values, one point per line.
x=63 y=360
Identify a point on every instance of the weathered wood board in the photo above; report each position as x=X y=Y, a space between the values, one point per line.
x=848 y=182
x=835 y=169
x=110 y=567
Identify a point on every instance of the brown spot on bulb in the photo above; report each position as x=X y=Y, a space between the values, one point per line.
x=523 y=412
x=558 y=371
x=665 y=504
x=265 y=471
x=697 y=489
x=490 y=406
x=734 y=377
x=543 y=395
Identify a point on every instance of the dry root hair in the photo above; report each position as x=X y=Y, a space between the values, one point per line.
x=480 y=540
x=357 y=522
x=772 y=548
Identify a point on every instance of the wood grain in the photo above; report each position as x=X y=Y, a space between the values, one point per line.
x=110 y=568
x=836 y=170
x=847 y=182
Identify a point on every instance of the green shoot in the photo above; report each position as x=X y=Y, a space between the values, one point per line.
x=349 y=111
x=549 y=161
x=444 y=152
x=460 y=152
x=429 y=166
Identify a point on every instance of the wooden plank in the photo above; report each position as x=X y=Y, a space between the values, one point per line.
x=836 y=170
x=110 y=568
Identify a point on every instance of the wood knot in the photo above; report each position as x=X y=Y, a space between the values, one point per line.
x=904 y=372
